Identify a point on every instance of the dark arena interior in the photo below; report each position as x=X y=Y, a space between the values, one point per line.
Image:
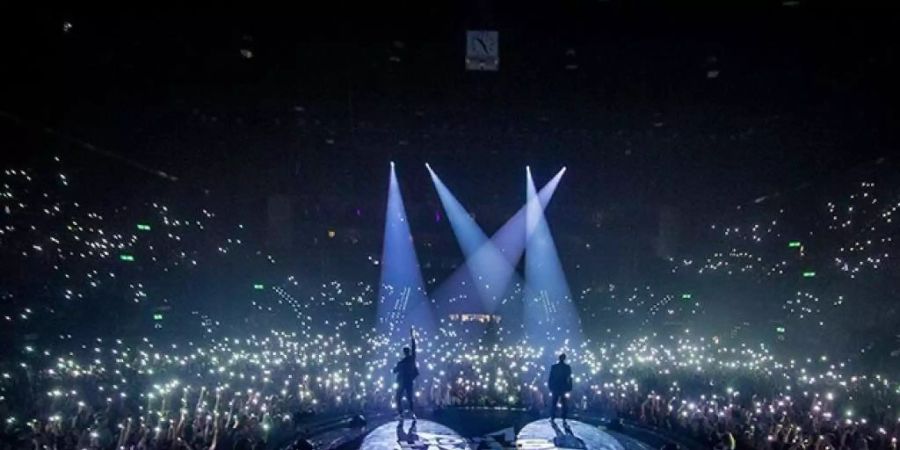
x=584 y=224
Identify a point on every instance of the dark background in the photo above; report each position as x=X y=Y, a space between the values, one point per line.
x=296 y=139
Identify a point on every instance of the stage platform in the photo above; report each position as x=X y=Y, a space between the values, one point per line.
x=539 y=434
x=409 y=434
x=544 y=434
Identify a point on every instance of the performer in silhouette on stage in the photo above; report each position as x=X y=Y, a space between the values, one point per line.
x=560 y=384
x=406 y=371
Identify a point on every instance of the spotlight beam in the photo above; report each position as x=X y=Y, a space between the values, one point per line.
x=550 y=313
x=490 y=266
x=401 y=292
x=468 y=233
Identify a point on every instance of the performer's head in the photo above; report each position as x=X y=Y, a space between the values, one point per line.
x=406 y=351
x=562 y=357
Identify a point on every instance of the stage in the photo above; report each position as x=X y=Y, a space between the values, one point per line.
x=537 y=435
x=545 y=434
x=412 y=434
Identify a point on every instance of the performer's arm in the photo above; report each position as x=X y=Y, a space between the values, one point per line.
x=412 y=338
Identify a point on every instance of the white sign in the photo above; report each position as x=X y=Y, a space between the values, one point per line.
x=482 y=50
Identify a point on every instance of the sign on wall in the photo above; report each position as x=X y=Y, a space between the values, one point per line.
x=482 y=50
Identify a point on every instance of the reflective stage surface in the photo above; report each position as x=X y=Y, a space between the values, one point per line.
x=543 y=434
x=421 y=434
x=537 y=435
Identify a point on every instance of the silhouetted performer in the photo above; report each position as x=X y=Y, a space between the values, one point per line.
x=407 y=372
x=560 y=384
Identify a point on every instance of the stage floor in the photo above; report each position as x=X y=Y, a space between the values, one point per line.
x=543 y=434
x=537 y=435
x=408 y=434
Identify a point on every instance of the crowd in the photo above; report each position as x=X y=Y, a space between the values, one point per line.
x=258 y=391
